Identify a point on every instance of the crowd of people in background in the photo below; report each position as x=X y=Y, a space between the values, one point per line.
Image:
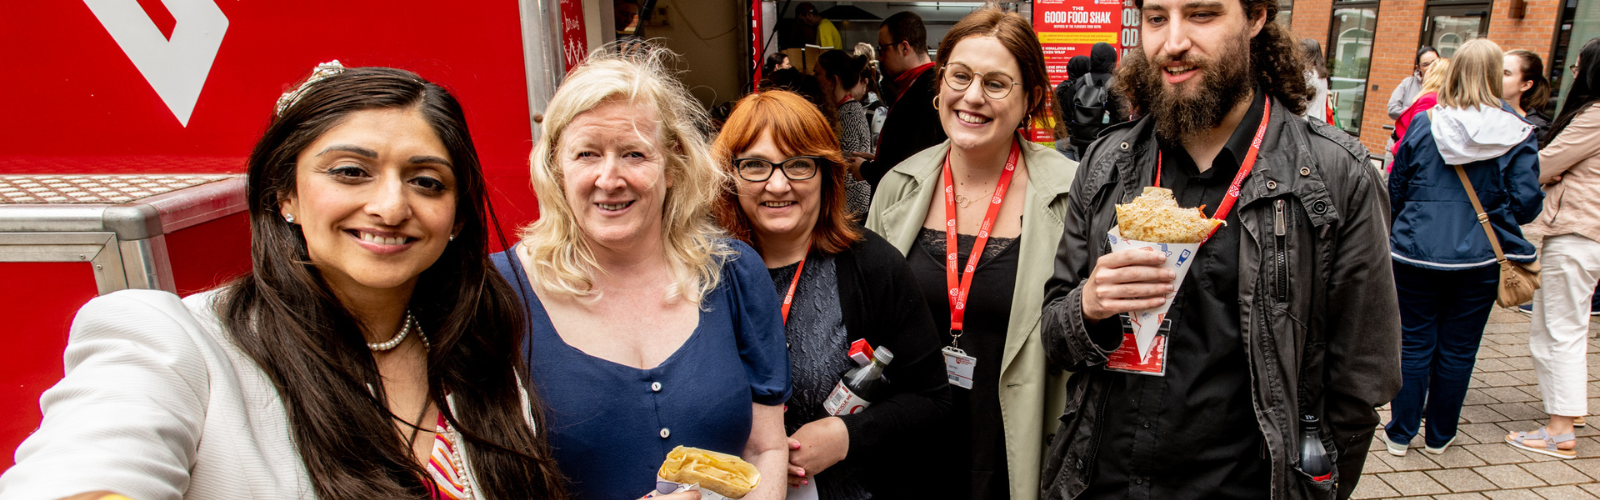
x=704 y=278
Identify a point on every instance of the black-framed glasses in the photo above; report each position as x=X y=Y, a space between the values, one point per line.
x=884 y=48
x=996 y=85
x=798 y=168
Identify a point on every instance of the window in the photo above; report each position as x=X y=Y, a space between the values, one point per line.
x=1285 y=12
x=1349 y=58
x=1580 y=21
x=1446 y=27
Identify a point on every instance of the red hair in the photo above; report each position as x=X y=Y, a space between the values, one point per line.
x=798 y=129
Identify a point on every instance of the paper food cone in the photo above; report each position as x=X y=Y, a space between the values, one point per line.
x=1147 y=323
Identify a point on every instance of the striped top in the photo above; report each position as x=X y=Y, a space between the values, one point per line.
x=444 y=466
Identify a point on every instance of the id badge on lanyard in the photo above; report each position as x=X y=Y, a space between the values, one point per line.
x=958 y=366
x=1126 y=358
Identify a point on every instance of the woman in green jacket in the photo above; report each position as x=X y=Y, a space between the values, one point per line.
x=1005 y=200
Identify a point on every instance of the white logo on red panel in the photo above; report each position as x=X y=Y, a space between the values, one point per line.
x=176 y=68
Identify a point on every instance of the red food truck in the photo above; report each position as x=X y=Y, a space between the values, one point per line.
x=128 y=122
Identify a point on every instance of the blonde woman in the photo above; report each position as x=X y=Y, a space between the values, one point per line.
x=1425 y=101
x=650 y=328
x=1444 y=267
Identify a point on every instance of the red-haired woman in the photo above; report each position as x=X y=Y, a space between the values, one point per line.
x=840 y=284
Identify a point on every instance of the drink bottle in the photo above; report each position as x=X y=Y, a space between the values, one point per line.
x=1313 y=457
x=860 y=386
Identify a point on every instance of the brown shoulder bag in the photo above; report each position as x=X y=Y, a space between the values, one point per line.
x=1517 y=280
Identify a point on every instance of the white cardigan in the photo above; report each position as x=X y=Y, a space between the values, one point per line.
x=157 y=404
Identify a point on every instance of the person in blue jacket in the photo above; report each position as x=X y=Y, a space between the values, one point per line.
x=1444 y=265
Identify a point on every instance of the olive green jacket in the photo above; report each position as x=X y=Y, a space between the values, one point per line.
x=1032 y=395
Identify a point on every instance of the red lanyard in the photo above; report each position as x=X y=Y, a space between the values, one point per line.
x=1244 y=170
x=843 y=100
x=788 y=299
x=959 y=287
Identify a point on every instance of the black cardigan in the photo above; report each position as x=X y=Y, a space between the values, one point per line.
x=881 y=302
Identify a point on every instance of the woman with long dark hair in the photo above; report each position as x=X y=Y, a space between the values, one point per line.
x=1526 y=90
x=1569 y=165
x=371 y=352
x=842 y=76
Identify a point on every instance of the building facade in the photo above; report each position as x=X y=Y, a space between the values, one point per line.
x=1371 y=45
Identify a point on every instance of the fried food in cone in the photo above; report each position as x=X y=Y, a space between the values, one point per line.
x=1155 y=217
x=727 y=475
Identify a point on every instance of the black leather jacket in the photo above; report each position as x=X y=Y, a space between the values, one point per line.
x=1318 y=311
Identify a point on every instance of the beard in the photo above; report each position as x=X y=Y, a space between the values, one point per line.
x=1224 y=82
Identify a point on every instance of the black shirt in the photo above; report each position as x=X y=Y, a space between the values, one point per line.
x=973 y=450
x=1192 y=433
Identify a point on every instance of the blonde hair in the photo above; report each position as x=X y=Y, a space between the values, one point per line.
x=561 y=258
x=1434 y=79
x=1475 y=76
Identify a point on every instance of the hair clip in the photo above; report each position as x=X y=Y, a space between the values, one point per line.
x=321 y=72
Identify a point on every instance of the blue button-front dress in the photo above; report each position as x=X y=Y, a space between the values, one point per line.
x=611 y=425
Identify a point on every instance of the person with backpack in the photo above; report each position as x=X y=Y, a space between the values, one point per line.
x=1076 y=68
x=1092 y=106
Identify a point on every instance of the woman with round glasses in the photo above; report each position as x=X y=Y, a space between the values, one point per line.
x=978 y=218
x=840 y=285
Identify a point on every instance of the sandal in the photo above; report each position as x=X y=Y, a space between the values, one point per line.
x=1551 y=443
x=1578 y=422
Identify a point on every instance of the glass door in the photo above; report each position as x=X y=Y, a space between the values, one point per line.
x=1446 y=27
x=1349 y=57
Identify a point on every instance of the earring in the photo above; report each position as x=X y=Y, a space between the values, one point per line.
x=289 y=218
x=452 y=237
x=935 y=102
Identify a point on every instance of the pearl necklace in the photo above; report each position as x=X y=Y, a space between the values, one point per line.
x=398 y=337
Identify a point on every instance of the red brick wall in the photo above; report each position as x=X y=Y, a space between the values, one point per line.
x=1310 y=20
x=1399 y=34
x=1393 y=52
x=1532 y=32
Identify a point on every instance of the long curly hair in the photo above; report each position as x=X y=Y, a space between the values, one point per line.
x=1275 y=63
x=1585 y=91
x=561 y=257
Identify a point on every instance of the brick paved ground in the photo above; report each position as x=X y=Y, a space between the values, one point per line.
x=1504 y=397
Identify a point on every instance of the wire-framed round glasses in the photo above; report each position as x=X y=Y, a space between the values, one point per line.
x=996 y=85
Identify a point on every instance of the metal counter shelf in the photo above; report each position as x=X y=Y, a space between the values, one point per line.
x=118 y=223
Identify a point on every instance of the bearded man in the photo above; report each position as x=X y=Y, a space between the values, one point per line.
x=1286 y=312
